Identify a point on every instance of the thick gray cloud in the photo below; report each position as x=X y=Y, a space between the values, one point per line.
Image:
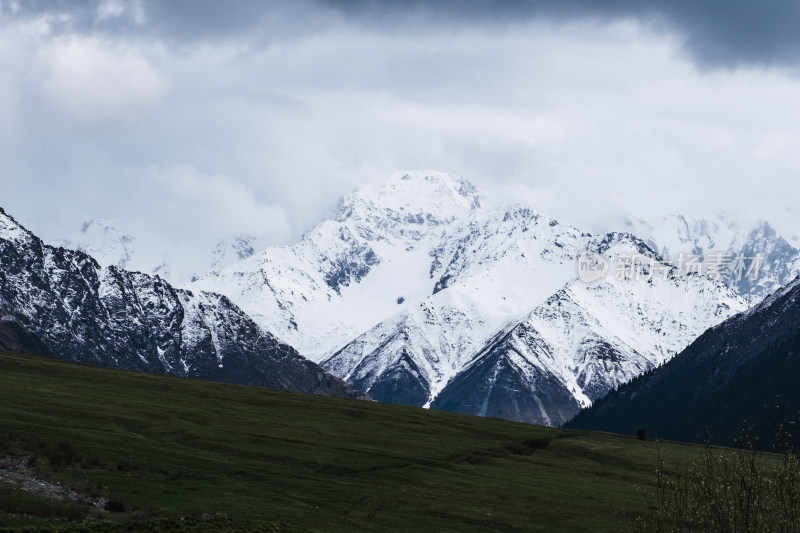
x=715 y=33
x=192 y=121
x=180 y=22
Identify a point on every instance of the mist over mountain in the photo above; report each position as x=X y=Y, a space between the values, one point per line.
x=61 y=303
x=417 y=292
x=751 y=258
x=108 y=242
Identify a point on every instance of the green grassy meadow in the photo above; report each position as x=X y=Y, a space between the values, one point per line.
x=177 y=454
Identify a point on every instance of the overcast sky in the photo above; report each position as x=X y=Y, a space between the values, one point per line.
x=192 y=120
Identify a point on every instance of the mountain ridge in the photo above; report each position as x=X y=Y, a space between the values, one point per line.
x=412 y=278
x=411 y=282
x=755 y=259
x=736 y=373
x=83 y=312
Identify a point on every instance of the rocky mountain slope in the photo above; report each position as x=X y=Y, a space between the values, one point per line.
x=754 y=260
x=110 y=245
x=418 y=293
x=570 y=350
x=63 y=304
x=371 y=261
x=737 y=373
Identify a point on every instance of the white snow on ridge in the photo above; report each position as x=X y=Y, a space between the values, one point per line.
x=590 y=337
x=677 y=234
x=439 y=334
x=676 y=237
x=101 y=239
x=505 y=261
x=407 y=200
x=349 y=274
x=415 y=277
x=603 y=334
x=414 y=282
x=109 y=245
x=11 y=230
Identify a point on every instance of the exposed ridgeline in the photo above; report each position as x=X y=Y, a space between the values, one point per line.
x=741 y=372
x=417 y=292
x=60 y=303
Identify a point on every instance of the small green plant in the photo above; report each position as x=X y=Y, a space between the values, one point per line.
x=725 y=490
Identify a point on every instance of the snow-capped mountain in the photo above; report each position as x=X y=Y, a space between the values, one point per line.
x=486 y=272
x=739 y=375
x=61 y=303
x=109 y=245
x=101 y=239
x=455 y=352
x=754 y=260
x=589 y=338
x=370 y=262
x=229 y=251
x=417 y=293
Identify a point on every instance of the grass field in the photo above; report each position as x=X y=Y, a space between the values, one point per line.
x=176 y=454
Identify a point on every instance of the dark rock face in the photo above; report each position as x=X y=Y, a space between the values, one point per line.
x=497 y=384
x=400 y=383
x=777 y=256
x=15 y=337
x=740 y=375
x=605 y=360
x=352 y=265
x=61 y=304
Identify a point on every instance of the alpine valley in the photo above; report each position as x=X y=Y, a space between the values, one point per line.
x=413 y=292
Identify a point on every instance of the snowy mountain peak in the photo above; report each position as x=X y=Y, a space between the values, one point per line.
x=11 y=230
x=229 y=251
x=420 y=190
x=769 y=260
x=101 y=239
x=417 y=294
x=614 y=244
x=676 y=234
x=100 y=226
x=768 y=302
x=409 y=204
x=763 y=230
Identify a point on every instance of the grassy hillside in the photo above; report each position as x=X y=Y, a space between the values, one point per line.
x=233 y=458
